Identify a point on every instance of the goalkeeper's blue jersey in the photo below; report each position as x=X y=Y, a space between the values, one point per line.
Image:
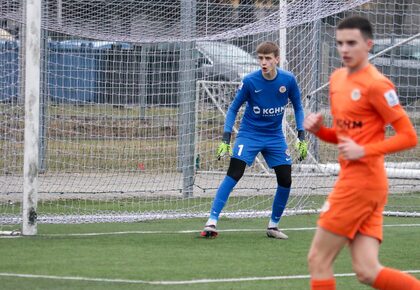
x=266 y=101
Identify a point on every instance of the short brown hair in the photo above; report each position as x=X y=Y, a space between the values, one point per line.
x=357 y=22
x=268 y=47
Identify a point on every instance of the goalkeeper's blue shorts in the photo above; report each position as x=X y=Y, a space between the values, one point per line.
x=273 y=148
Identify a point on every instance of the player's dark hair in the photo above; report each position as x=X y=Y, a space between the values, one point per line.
x=268 y=47
x=357 y=22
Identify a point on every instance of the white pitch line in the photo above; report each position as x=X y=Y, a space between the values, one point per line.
x=180 y=282
x=196 y=231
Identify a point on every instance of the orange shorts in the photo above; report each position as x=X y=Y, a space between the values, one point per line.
x=349 y=211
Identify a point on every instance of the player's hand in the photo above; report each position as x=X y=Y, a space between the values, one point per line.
x=301 y=146
x=223 y=149
x=224 y=146
x=349 y=149
x=313 y=122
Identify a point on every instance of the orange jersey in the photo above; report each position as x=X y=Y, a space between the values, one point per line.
x=362 y=104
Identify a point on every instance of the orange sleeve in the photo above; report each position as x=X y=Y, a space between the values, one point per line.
x=327 y=135
x=385 y=100
x=404 y=138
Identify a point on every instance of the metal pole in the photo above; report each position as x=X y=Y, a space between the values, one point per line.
x=144 y=56
x=32 y=92
x=283 y=33
x=187 y=97
x=316 y=74
x=43 y=103
x=60 y=12
x=283 y=44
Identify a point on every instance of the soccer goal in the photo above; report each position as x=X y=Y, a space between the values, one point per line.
x=120 y=119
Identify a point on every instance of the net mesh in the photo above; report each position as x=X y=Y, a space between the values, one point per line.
x=161 y=21
x=133 y=97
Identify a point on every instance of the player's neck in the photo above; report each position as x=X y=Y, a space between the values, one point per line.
x=271 y=75
x=359 y=67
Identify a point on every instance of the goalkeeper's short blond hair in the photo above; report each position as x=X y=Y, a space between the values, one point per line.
x=268 y=47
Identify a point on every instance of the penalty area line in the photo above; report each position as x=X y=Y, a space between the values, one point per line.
x=180 y=282
x=197 y=231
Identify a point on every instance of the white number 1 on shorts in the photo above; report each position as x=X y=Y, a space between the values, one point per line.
x=241 y=146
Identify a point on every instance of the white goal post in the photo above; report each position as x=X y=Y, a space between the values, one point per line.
x=31 y=90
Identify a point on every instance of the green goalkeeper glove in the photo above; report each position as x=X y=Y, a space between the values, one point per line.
x=224 y=146
x=301 y=145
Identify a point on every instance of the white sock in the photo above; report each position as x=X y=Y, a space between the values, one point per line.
x=272 y=224
x=211 y=222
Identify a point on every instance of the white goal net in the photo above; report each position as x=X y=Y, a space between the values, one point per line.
x=134 y=95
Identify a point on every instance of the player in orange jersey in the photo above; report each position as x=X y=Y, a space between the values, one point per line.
x=363 y=102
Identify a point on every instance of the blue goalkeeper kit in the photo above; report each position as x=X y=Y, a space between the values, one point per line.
x=261 y=131
x=261 y=127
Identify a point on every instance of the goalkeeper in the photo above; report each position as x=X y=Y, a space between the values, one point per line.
x=266 y=93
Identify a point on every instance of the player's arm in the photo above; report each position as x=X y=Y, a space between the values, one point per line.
x=386 y=103
x=405 y=137
x=327 y=134
x=314 y=124
x=241 y=96
x=294 y=97
x=301 y=145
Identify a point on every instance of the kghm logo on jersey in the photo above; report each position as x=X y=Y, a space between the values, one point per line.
x=268 y=112
x=356 y=95
x=348 y=124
